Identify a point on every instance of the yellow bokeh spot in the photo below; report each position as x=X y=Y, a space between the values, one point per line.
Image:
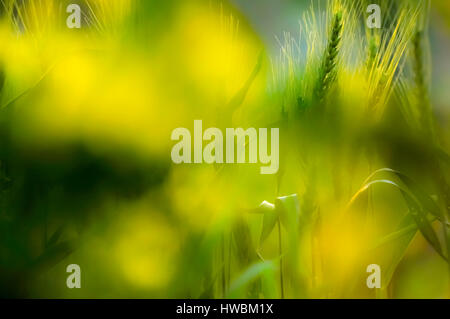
x=145 y=249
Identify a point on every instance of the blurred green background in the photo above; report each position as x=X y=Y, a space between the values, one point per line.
x=85 y=170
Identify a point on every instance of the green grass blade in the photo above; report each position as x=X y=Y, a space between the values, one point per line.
x=250 y=275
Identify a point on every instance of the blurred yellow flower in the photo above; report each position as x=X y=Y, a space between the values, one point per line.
x=145 y=248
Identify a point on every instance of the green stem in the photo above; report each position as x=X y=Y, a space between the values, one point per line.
x=281 y=260
x=224 y=289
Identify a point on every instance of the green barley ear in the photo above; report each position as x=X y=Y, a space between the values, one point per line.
x=327 y=74
x=419 y=75
x=421 y=69
x=420 y=81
